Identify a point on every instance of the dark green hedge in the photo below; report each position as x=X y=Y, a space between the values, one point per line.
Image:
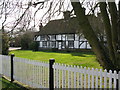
x=34 y=46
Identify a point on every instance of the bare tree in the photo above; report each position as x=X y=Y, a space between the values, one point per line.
x=108 y=56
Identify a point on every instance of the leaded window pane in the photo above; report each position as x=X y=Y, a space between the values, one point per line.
x=42 y=37
x=44 y=43
x=71 y=44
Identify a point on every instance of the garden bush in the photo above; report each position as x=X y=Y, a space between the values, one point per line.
x=34 y=46
x=5 y=44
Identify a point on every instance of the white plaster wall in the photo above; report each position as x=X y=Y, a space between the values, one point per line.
x=88 y=46
x=83 y=45
x=63 y=37
x=38 y=38
x=40 y=44
x=66 y=43
x=76 y=44
x=76 y=37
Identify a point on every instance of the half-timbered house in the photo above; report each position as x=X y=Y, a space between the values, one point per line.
x=62 y=34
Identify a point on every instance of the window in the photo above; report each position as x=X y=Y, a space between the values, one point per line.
x=70 y=44
x=44 y=43
x=63 y=44
x=70 y=37
x=42 y=37
x=53 y=44
x=53 y=37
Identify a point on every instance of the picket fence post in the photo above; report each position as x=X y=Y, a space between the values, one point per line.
x=119 y=80
x=12 y=68
x=51 y=74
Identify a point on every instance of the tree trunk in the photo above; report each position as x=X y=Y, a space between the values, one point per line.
x=114 y=25
x=107 y=25
x=119 y=35
x=88 y=32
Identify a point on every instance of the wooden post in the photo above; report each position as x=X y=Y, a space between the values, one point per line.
x=12 y=67
x=74 y=42
x=51 y=74
x=119 y=80
x=86 y=45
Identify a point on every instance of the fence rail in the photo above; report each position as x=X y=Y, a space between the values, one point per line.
x=36 y=74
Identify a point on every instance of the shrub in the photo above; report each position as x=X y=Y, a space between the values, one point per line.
x=54 y=49
x=5 y=44
x=25 y=42
x=34 y=46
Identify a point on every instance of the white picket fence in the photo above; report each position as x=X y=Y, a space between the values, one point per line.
x=6 y=65
x=36 y=74
x=79 y=77
x=29 y=72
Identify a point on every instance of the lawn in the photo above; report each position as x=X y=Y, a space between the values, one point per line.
x=7 y=85
x=85 y=59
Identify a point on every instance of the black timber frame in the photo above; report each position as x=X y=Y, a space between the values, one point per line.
x=61 y=40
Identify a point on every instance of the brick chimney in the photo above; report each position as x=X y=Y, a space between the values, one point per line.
x=40 y=26
x=66 y=15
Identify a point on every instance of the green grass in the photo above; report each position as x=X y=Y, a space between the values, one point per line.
x=7 y=85
x=85 y=59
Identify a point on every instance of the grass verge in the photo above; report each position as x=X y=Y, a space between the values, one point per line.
x=6 y=85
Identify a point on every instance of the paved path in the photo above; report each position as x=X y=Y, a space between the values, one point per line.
x=14 y=48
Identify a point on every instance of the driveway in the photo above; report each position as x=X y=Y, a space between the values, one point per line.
x=14 y=48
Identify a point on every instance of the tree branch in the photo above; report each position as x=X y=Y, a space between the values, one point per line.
x=18 y=20
x=107 y=25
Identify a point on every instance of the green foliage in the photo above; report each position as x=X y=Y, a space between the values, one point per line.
x=85 y=59
x=27 y=40
x=54 y=49
x=5 y=44
x=17 y=40
x=34 y=46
